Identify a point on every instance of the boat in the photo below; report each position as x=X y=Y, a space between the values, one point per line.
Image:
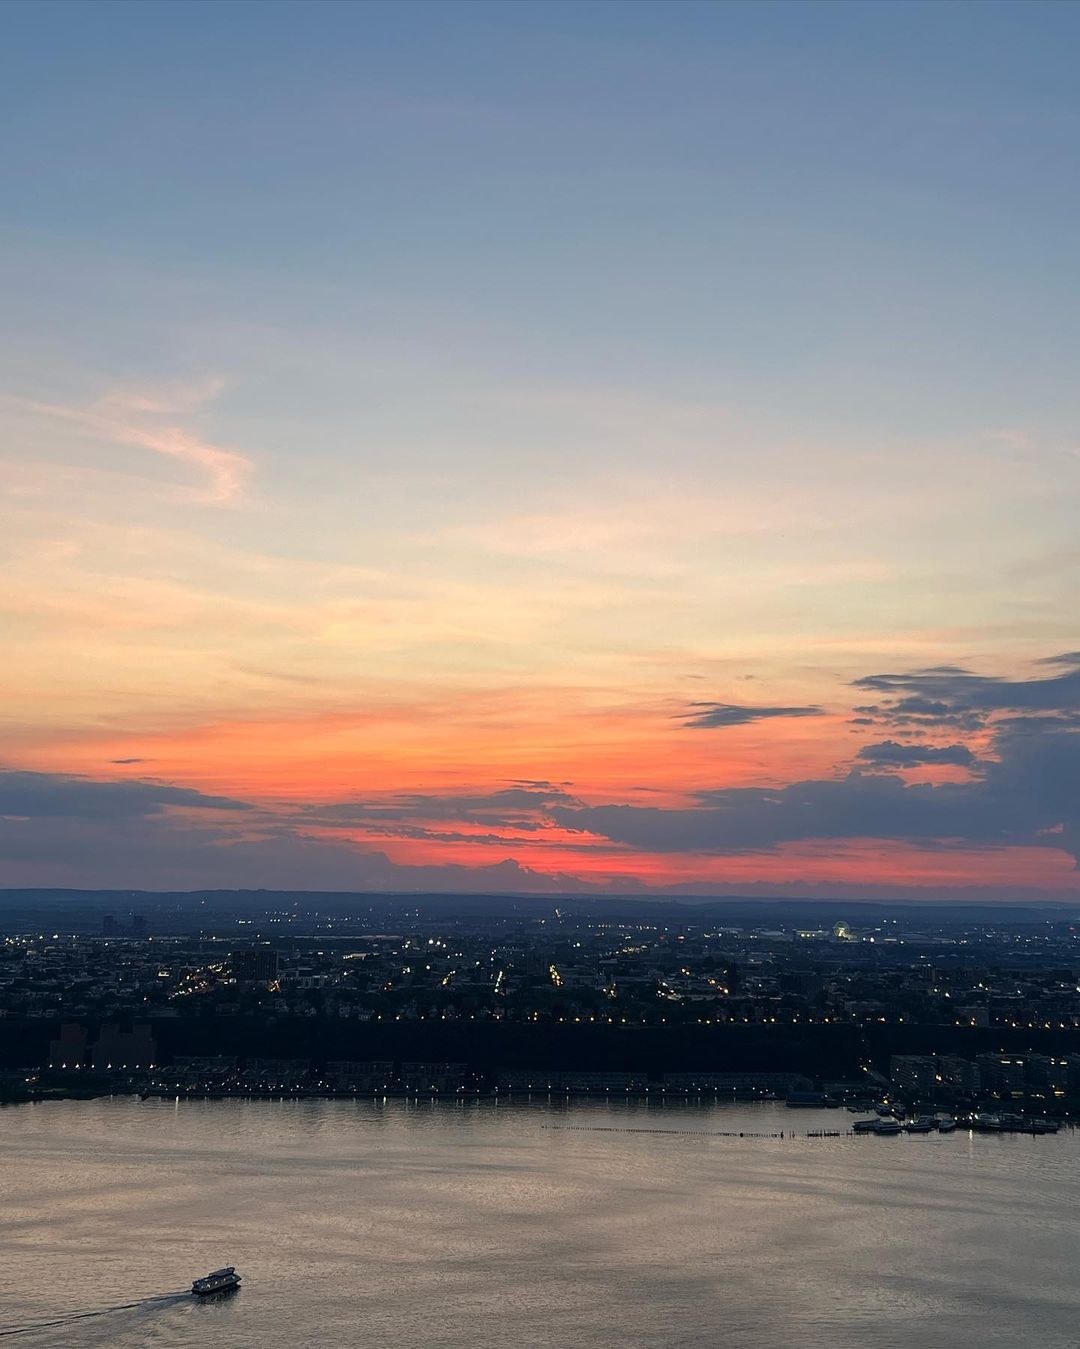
x=864 y=1126
x=888 y=1127
x=946 y=1124
x=1044 y=1126
x=220 y=1281
x=919 y=1126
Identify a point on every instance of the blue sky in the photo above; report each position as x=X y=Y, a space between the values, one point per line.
x=789 y=203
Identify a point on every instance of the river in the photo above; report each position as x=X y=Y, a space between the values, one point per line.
x=581 y=1226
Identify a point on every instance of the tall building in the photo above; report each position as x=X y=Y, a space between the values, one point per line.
x=257 y=966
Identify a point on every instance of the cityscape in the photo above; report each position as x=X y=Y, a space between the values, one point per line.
x=312 y=997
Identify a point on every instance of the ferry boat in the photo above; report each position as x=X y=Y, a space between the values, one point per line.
x=220 y=1281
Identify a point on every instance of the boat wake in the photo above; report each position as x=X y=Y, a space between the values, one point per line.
x=71 y=1317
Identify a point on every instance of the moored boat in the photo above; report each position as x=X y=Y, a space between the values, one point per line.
x=887 y=1127
x=219 y=1281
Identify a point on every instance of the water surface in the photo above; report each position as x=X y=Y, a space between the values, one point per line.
x=471 y=1225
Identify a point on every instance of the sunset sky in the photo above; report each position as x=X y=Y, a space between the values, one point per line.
x=541 y=447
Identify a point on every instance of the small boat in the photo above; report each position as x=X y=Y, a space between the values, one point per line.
x=864 y=1126
x=220 y=1281
x=919 y=1126
x=888 y=1127
x=946 y=1124
x=1044 y=1126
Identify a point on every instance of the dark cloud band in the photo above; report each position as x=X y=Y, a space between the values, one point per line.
x=713 y=716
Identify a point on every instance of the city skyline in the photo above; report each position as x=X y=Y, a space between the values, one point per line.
x=543 y=448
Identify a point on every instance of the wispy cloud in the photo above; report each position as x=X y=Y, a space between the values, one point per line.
x=149 y=421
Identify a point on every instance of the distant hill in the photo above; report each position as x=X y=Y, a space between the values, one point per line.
x=27 y=904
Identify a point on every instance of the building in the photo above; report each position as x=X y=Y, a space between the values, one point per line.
x=276 y=1074
x=68 y=1050
x=1002 y=1072
x=257 y=966
x=116 y=1048
x=432 y=1076
x=913 y=1072
x=960 y=1074
x=776 y=1084
x=544 y=1079
x=1070 y=1067
x=583 y=1081
x=361 y=1074
x=1040 y=1070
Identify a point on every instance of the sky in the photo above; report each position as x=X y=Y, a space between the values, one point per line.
x=541 y=447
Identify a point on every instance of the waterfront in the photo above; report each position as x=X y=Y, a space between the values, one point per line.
x=474 y=1224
